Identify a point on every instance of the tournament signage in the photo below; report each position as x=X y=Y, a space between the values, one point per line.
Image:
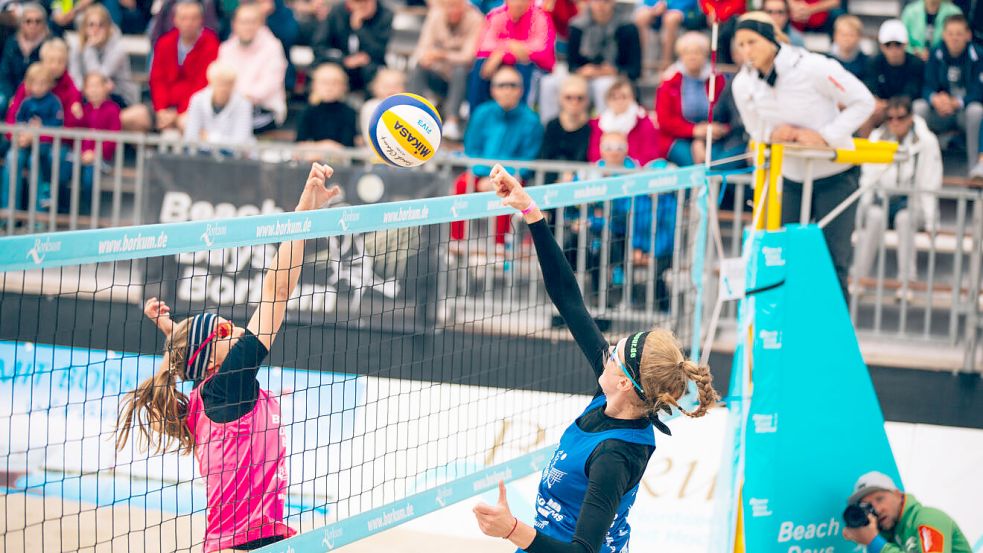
x=344 y=275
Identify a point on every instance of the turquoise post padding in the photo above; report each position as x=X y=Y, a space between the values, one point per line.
x=393 y=514
x=696 y=273
x=814 y=424
x=38 y=251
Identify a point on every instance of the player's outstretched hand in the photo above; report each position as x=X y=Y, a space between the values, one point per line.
x=316 y=194
x=160 y=313
x=509 y=189
x=496 y=520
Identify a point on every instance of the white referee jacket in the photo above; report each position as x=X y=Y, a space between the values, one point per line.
x=812 y=91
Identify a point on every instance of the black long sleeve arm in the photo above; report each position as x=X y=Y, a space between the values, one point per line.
x=561 y=285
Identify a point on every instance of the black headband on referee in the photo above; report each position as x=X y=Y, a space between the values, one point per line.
x=634 y=345
x=766 y=30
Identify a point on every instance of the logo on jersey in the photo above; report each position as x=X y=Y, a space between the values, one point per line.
x=552 y=475
x=932 y=540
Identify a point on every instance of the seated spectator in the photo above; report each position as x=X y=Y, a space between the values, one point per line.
x=22 y=49
x=814 y=15
x=180 y=62
x=561 y=13
x=281 y=21
x=64 y=14
x=503 y=128
x=355 y=36
x=667 y=17
x=910 y=211
x=567 y=136
x=54 y=58
x=99 y=49
x=260 y=64
x=101 y=113
x=974 y=13
x=778 y=11
x=386 y=83
x=218 y=114
x=518 y=34
x=131 y=16
x=444 y=56
x=37 y=108
x=952 y=95
x=924 y=20
x=725 y=12
x=600 y=49
x=310 y=15
x=623 y=115
x=328 y=122
x=166 y=19
x=683 y=104
x=847 y=32
x=892 y=72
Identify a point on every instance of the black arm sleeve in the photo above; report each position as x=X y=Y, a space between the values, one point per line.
x=233 y=391
x=629 y=52
x=614 y=468
x=561 y=285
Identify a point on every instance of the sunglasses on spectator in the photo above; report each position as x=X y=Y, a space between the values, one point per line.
x=898 y=117
x=33 y=21
x=776 y=12
x=574 y=97
x=894 y=44
x=507 y=85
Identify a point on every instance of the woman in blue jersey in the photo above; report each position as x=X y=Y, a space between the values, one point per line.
x=591 y=482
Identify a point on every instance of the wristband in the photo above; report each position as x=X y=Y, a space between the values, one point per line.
x=514 y=524
x=532 y=206
x=876 y=544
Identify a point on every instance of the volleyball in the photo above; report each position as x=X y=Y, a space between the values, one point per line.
x=404 y=130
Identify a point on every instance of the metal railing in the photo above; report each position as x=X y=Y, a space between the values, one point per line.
x=941 y=305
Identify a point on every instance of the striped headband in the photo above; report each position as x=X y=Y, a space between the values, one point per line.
x=201 y=337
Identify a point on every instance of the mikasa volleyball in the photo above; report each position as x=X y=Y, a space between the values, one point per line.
x=405 y=130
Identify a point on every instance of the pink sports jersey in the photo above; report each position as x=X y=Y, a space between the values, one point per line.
x=244 y=465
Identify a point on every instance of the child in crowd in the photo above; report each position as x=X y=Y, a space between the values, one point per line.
x=101 y=113
x=847 y=33
x=39 y=108
x=328 y=122
x=386 y=83
x=218 y=114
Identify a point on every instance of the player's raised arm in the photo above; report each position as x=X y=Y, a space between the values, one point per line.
x=561 y=284
x=284 y=273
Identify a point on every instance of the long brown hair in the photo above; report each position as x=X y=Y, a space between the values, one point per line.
x=157 y=409
x=665 y=374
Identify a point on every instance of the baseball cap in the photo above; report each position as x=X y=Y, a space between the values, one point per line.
x=892 y=30
x=869 y=483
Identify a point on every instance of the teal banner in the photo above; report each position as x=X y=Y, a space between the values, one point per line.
x=39 y=251
x=814 y=424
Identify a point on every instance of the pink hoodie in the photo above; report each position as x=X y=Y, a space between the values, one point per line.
x=534 y=28
x=261 y=68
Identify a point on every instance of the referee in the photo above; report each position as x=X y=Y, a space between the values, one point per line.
x=787 y=94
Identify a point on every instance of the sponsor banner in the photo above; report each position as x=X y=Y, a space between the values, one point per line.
x=268 y=225
x=359 y=268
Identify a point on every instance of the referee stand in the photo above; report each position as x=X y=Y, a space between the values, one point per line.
x=804 y=419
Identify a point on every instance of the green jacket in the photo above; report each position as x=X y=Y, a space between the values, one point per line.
x=924 y=530
x=913 y=18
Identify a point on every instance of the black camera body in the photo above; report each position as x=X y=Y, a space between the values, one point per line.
x=855 y=515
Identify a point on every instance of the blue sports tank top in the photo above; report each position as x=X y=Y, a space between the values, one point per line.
x=564 y=483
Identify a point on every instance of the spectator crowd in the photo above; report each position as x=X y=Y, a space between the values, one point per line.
x=513 y=79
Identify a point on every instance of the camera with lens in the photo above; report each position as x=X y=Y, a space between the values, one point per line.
x=855 y=515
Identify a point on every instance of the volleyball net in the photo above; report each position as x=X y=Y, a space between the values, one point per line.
x=421 y=360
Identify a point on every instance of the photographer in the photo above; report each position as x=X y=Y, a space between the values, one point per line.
x=897 y=522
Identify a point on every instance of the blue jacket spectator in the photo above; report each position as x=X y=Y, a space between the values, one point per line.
x=503 y=128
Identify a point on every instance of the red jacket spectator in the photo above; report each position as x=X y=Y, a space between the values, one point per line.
x=171 y=84
x=534 y=29
x=644 y=143
x=561 y=11
x=669 y=109
x=64 y=89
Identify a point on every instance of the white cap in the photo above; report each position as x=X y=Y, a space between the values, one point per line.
x=869 y=483
x=892 y=30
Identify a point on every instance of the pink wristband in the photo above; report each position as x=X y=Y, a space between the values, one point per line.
x=532 y=206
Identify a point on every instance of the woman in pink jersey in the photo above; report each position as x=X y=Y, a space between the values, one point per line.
x=231 y=425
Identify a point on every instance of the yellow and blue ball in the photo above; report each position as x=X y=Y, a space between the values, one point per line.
x=404 y=130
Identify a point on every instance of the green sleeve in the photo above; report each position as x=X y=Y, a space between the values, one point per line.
x=892 y=548
x=931 y=524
